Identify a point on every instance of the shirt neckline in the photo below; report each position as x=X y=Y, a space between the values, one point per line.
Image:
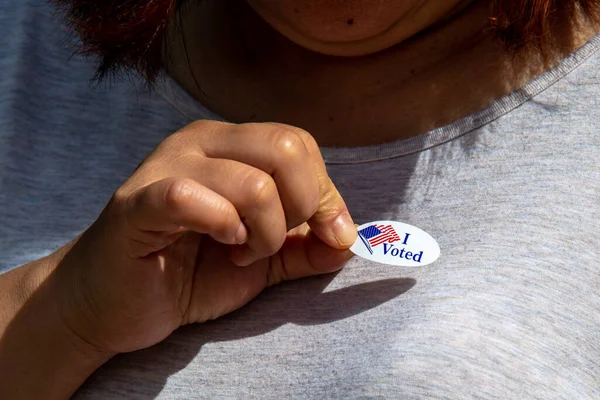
x=193 y=110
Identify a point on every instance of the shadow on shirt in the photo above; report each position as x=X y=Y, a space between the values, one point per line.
x=143 y=374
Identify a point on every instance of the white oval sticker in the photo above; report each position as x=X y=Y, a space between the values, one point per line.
x=395 y=243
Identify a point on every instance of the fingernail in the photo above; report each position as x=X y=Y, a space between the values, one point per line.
x=241 y=235
x=344 y=230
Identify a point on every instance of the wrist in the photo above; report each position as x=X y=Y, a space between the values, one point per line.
x=40 y=356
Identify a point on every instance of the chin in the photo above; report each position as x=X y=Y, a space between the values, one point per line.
x=371 y=43
x=351 y=36
x=351 y=27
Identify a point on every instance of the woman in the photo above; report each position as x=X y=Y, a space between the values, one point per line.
x=472 y=120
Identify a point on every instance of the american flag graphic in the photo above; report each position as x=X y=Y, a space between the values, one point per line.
x=378 y=234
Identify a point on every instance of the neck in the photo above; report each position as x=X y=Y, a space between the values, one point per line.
x=245 y=71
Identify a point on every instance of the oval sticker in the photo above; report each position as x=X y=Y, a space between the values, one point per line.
x=395 y=243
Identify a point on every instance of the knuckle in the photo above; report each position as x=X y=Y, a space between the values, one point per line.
x=201 y=125
x=289 y=145
x=200 y=128
x=121 y=209
x=192 y=129
x=309 y=144
x=120 y=203
x=180 y=193
x=307 y=139
x=260 y=188
x=117 y=207
x=189 y=137
x=120 y=198
x=173 y=142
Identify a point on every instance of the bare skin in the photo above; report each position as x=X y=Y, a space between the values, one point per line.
x=217 y=212
x=170 y=249
x=441 y=74
x=355 y=27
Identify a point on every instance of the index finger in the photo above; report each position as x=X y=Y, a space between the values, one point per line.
x=294 y=173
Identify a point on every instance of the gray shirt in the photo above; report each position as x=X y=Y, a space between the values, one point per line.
x=511 y=309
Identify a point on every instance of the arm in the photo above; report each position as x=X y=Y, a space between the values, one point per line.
x=39 y=356
x=134 y=276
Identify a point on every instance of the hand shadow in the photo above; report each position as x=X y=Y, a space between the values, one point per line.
x=301 y=302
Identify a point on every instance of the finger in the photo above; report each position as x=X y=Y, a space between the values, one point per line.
x=331 y=222
x=304 y=254
x=144 y=243
x=255 y=196
x=276 y=149
x=172 y=203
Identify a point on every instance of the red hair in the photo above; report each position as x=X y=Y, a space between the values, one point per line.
x=129 y=34
x=518 y=23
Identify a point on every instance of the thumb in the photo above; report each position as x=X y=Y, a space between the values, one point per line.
x=303 y=254
x=332 y=222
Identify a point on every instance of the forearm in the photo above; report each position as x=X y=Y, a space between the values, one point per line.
x=39 y=356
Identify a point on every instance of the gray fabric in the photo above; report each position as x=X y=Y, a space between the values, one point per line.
x=510 y=310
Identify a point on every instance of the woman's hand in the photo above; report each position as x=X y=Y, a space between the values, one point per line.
x=214 y=215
